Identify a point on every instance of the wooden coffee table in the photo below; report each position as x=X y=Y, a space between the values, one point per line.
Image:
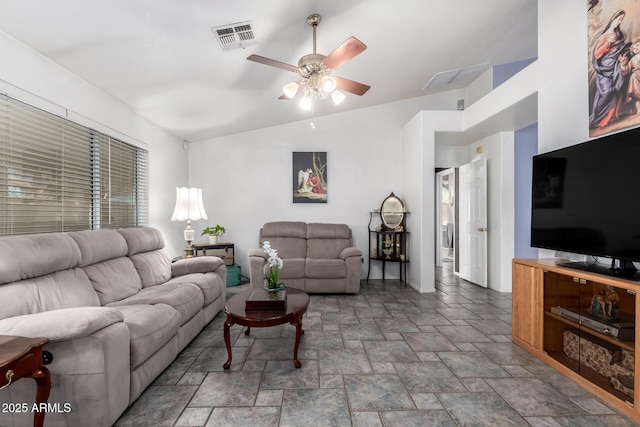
x=21 y=357
x=297 y=303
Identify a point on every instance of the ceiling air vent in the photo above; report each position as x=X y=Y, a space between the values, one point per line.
x=455 y=78
x=235 y=36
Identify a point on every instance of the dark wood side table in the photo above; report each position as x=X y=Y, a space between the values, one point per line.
x=297 y=303
x=21 y=357
x=224 y=250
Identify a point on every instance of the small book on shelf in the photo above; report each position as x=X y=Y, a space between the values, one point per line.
x=265 y=300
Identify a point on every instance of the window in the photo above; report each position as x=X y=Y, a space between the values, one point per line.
x=56 y=175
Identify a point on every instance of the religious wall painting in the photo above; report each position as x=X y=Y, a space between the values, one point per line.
x=309 y=177
x=613 y=65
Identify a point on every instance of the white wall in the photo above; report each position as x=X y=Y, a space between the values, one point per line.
x=412 y=172
x=563 y=97
x=28 y=76
x=419 y=164
x=246 y=178
x=451 y=156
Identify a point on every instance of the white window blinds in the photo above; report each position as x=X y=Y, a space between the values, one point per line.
x=56 y=175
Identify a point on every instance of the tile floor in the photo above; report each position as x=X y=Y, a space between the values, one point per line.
x=388 y=356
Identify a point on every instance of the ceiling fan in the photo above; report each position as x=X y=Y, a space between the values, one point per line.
x=315 y=70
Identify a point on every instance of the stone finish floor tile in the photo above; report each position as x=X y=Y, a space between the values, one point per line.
x=480 y=409
x=388 y=356
x=315 y=407
x=417 y=419
x=344 y=361
x=282 y=374
x=254 y=417
x=228 y=389
x=377 y=392
x=531 y=396
x=158 y=406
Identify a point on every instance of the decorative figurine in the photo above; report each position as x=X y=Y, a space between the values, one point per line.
x=605 y=303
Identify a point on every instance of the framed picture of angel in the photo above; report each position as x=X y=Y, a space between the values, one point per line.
x=310 y=177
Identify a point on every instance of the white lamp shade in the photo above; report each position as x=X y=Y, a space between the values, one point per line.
x=290 y=89
x=188 y=204
x=305 y=103
x=337 y=96
x=328 y=84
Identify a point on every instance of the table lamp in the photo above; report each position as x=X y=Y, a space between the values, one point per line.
x=189 y=207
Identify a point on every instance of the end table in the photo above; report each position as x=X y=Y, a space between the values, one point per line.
x=21 y=357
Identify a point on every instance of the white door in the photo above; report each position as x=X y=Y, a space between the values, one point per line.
x=473 y=222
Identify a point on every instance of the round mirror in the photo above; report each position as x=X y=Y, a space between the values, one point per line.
x=392 y=212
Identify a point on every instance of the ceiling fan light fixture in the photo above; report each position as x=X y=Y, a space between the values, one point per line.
x=306 y=103
x=328 y=84
x=290 y=89
x=315 y=70
x=337 y=97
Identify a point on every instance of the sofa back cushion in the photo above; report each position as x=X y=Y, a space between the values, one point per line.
x=32 y=255
x=288 y=238
x=38 y=272
x=104 y=260
x=326 y=241
x=146 y=251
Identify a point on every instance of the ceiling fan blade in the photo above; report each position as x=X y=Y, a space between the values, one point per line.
x=351 y=86
x=343 y=53
x=272 y=63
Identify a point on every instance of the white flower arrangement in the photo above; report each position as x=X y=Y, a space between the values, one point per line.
x=275 y=265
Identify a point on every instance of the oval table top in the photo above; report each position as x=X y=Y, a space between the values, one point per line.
x=297 y=301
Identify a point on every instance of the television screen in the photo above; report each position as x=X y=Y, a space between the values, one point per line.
x=584 y=198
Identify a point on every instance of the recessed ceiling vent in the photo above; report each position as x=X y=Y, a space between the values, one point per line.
x=235 y=36
x=455 y=78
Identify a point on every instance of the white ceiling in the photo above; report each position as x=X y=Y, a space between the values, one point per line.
x=161 y=58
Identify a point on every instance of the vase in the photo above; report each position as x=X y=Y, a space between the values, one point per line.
x=278 y=287
x=213 y=240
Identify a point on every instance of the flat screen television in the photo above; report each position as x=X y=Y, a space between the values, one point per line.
x=585 y=201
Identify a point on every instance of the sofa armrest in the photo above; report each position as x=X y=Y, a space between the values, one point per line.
x=63 y=324
x=257 y=260
x=201 y=264
x=349 y=252
x=258 y=253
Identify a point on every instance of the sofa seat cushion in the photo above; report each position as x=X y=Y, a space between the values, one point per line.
x=325 y=268
x=150 y=328
x=293 y=268
x=210 y=284
x=185 y=298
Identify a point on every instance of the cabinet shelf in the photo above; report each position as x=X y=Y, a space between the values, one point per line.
x=592 y=376
x=598 y=361
x=387 y=245
x=627 y=345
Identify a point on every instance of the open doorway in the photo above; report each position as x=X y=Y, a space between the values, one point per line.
x=446 y=219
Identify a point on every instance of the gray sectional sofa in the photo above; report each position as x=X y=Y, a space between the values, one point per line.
x=317 y=257
x=117 y=312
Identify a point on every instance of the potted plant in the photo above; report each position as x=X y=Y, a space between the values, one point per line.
x=213 y=233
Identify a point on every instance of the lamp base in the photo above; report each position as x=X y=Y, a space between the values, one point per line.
x=188 y=251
